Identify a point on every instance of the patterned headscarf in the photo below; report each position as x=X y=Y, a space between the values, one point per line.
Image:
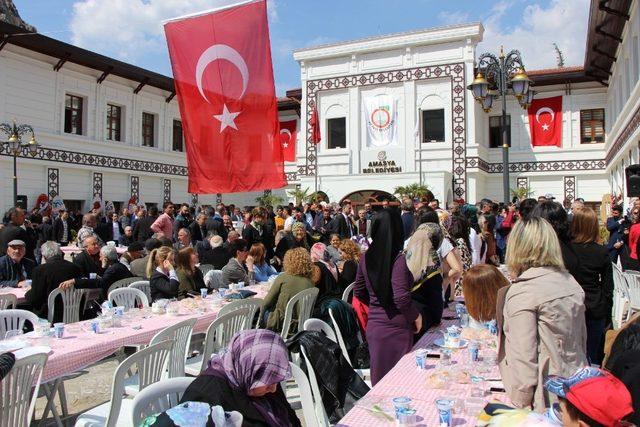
x=422 y=252
x=255 y=358
x=319 y=254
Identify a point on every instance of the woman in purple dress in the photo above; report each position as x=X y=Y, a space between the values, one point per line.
x=383 y=282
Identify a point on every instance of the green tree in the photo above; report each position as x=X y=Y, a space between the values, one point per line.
x=299 y=195
x=413 y=191
x=521 y=193
x=269 y=200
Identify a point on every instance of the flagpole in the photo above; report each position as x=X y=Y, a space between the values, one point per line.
x=316 y=175
x=419 y=134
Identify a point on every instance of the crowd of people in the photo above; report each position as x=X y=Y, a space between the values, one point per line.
x=540 y=272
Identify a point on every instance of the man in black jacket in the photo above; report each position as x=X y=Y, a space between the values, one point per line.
x=89 y=259
x=342 y=224
x=211 y=252
x=15 y=268
x=46 y=277
x=142 y=229
x=214 y=225
x=198 y=229
x=14 y=231
x=62 y=228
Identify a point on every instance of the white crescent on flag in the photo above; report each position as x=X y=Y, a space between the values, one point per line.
x=221 y=51
x=544 y=110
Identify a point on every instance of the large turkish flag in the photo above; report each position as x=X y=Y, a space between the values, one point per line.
x=545 y=122
x=223 y=75
x=288 y=136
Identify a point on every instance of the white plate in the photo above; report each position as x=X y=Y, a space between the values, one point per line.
x=11 y=345
x=440 y=343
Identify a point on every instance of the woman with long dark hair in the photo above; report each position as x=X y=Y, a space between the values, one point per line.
x=555 y=214
x=384 y=282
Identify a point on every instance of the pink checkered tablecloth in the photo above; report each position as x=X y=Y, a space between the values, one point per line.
x=18 y=292
x=405 y=379
x=80 y=347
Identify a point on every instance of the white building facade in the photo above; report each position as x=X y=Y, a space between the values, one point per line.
x=128 y=140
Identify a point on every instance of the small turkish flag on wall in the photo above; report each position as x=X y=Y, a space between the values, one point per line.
x=545 y=122
x=221 y=64
x=288 y=136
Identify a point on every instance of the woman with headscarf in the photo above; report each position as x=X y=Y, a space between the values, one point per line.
x=296 y=238
x=425 y=266
x=246 y=378
x=383 y=282
x=325 y=273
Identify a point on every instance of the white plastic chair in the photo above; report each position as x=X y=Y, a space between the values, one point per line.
x=128 y=298
x=620 y=297
x=213 y=279
x=218 y=336
x=365 y=374
x=158 y=397
x=144 y=286
x=254 y=304
x=150 y=363
x=347 y=292
x=306 y=398
x=123 y=283
x=19 y=390
x=633 y=282
x=13 y=320
x=8 y=301
x=71 y=300
x=180 y=333
x=205 y=268
x=321 y=414
x=304 y=300
x=320 y=326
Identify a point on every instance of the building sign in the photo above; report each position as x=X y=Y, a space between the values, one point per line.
x=382 y=165
x=380 y=116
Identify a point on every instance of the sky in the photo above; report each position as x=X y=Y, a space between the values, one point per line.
x=131 y=30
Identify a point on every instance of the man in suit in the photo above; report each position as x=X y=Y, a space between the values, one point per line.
x=62 y=228
x=214 y=225
x=48 y=276
x=615 y=226
x=111 y=230
x=198 y=228
x=142 y=229
x=363 y=225
x=15 y=230
x=342 y=224
x=407 y=219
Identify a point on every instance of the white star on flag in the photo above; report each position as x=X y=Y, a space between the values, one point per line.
x=545 y=127
x=285 y=145
x=227 y=118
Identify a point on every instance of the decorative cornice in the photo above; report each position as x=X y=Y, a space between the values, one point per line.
x=631 y=127
x=538 y=166
x=98 y=160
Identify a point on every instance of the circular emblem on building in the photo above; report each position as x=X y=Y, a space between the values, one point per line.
x=382 y=156
x=380 y=118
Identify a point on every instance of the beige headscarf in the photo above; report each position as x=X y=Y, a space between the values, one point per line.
x=421 y=253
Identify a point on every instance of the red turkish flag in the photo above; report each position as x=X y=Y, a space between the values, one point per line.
x=223 y=75
x=545 y=122
x=288 y=136
x=315 y=126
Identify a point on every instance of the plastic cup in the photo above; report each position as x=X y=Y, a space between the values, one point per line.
x=58 y=329
x=240 y=285
x=27 y=283
x=445 y=412
x=119 y=311
x=401 y=404
x=203 y=292
x=222 y=292
x=95 y=326
x=445 y=357
x=464 y=320
x=92 y=275
x=421 y=358
x=474 y=350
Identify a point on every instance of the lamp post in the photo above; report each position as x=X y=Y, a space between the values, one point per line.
x=16 y=146
x=499 y=77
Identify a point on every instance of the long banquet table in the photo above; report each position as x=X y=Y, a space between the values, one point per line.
x=80 y=347
x=405 y=379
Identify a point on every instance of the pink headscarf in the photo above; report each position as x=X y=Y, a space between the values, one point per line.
x=319 y=254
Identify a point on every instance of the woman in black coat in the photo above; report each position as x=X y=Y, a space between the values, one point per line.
x=163 y=278
x=595 y=276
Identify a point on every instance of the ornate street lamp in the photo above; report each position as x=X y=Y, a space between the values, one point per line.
x=498 y=77
x=16 y=147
